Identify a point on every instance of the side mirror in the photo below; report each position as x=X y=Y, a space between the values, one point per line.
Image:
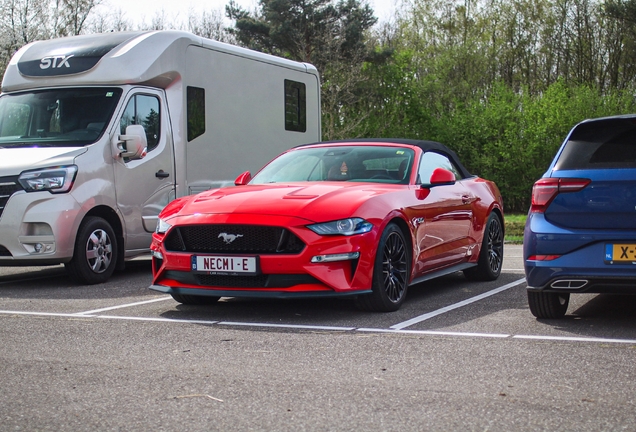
x=441 y=177
x=134 y=144
x=243 y=179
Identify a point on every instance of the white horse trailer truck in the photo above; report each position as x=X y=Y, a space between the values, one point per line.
x=99 y=132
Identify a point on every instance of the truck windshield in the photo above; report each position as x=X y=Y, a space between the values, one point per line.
x=64 y=117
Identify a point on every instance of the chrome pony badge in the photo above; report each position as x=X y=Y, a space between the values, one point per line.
x=229 y=238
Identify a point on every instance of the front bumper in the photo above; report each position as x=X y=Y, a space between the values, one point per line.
x=280 y=275
x=38 y=228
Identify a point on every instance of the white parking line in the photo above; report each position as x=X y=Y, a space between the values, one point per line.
x=170 y=320
x=436 y=333
x=95 y=311
x=323 y=328
x=575 y=339
x=443 y=310
x=289 y=326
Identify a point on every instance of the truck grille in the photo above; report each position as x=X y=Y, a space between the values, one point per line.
x=233 y=239
x=8 y=186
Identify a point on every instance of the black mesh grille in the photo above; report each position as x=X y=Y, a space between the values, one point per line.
x=233 y=239
x=8 y=186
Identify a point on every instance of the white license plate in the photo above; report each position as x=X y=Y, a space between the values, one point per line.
x=229 y=265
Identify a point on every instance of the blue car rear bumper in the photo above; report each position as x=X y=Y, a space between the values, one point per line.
x=581 y=265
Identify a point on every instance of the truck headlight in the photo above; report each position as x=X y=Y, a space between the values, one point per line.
x=54 y=180
x=345 y=227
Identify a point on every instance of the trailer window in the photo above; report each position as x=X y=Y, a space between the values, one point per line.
x=196 y=112
x=295 y=106
x=143 y=110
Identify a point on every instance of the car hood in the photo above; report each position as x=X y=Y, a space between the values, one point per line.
x=16 y=160
x=316 y=202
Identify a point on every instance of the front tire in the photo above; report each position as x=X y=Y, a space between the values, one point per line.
x=548 y=305
x=95 y=255
x=391 y=273
x=188 y=299
x=490 y=259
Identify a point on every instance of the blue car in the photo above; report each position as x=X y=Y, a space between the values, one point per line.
x=580 y=235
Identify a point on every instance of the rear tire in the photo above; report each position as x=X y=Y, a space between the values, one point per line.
x=391 y=273
x=548 y=305
x=188 y=299
x=95 y=255
x=490 y=259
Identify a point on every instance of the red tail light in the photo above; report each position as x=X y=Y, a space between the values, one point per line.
x=546 y=189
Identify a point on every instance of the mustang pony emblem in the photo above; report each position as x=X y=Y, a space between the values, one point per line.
x=229 y=238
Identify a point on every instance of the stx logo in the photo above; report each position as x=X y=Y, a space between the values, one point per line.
x=55 y=62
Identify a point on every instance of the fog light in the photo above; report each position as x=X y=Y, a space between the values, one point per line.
x=335 y=257
x=157 y=254
x=38 y=247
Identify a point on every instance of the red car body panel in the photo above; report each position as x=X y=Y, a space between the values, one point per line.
x=444 y=225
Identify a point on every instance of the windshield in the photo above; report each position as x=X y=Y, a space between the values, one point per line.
x=375 y=164
x=59 y=117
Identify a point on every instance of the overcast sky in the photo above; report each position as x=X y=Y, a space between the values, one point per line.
x=139 y=11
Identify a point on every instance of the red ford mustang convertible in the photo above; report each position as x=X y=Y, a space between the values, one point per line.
x=361 y=218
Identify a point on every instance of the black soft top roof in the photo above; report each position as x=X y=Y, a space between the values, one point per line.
x=426 y=146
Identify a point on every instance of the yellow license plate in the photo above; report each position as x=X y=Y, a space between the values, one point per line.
x=620 y=252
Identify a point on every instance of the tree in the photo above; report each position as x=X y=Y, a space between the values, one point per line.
x=332 y=36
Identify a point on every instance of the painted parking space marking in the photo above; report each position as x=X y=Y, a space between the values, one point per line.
x=436 y=333
x=576 y=339
x=106 y=309
x=429 y=315
x=288 y=326
x=150 y=319
x=329 y=328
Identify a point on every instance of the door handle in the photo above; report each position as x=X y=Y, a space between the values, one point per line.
x=162 y=174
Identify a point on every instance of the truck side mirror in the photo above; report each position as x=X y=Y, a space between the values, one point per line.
x=243 y=179
x=134 y=144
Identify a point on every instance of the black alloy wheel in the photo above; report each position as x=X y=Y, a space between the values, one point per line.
x=391 y=273
x=490 y=260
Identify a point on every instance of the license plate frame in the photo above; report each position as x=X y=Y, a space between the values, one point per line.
x=620 y=253
x=227 y=265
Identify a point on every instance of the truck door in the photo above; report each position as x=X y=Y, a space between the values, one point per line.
x=144 y=186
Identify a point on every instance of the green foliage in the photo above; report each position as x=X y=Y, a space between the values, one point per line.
x=514 y=225
x=315 y=31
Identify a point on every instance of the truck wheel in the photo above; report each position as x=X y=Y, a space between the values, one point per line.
x=548 y=305
x=194 y=299
x=491 y=254
x=391 y=273
x=95 y=255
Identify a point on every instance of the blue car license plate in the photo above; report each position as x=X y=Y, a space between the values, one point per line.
x=620 y=253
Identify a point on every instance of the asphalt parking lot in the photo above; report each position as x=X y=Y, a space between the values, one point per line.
x=458 y=355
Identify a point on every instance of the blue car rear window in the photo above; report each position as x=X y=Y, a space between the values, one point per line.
x=599 y=144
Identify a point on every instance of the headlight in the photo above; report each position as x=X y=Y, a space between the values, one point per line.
x=162 y=226
x=345 y=227
x=54 y=180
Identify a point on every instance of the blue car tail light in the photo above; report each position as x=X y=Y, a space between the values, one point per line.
x=546 y=189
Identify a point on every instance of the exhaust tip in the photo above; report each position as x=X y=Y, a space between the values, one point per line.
x=569 y=284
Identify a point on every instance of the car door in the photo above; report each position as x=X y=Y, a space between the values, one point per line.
x=144 y=186
x=442 y=219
